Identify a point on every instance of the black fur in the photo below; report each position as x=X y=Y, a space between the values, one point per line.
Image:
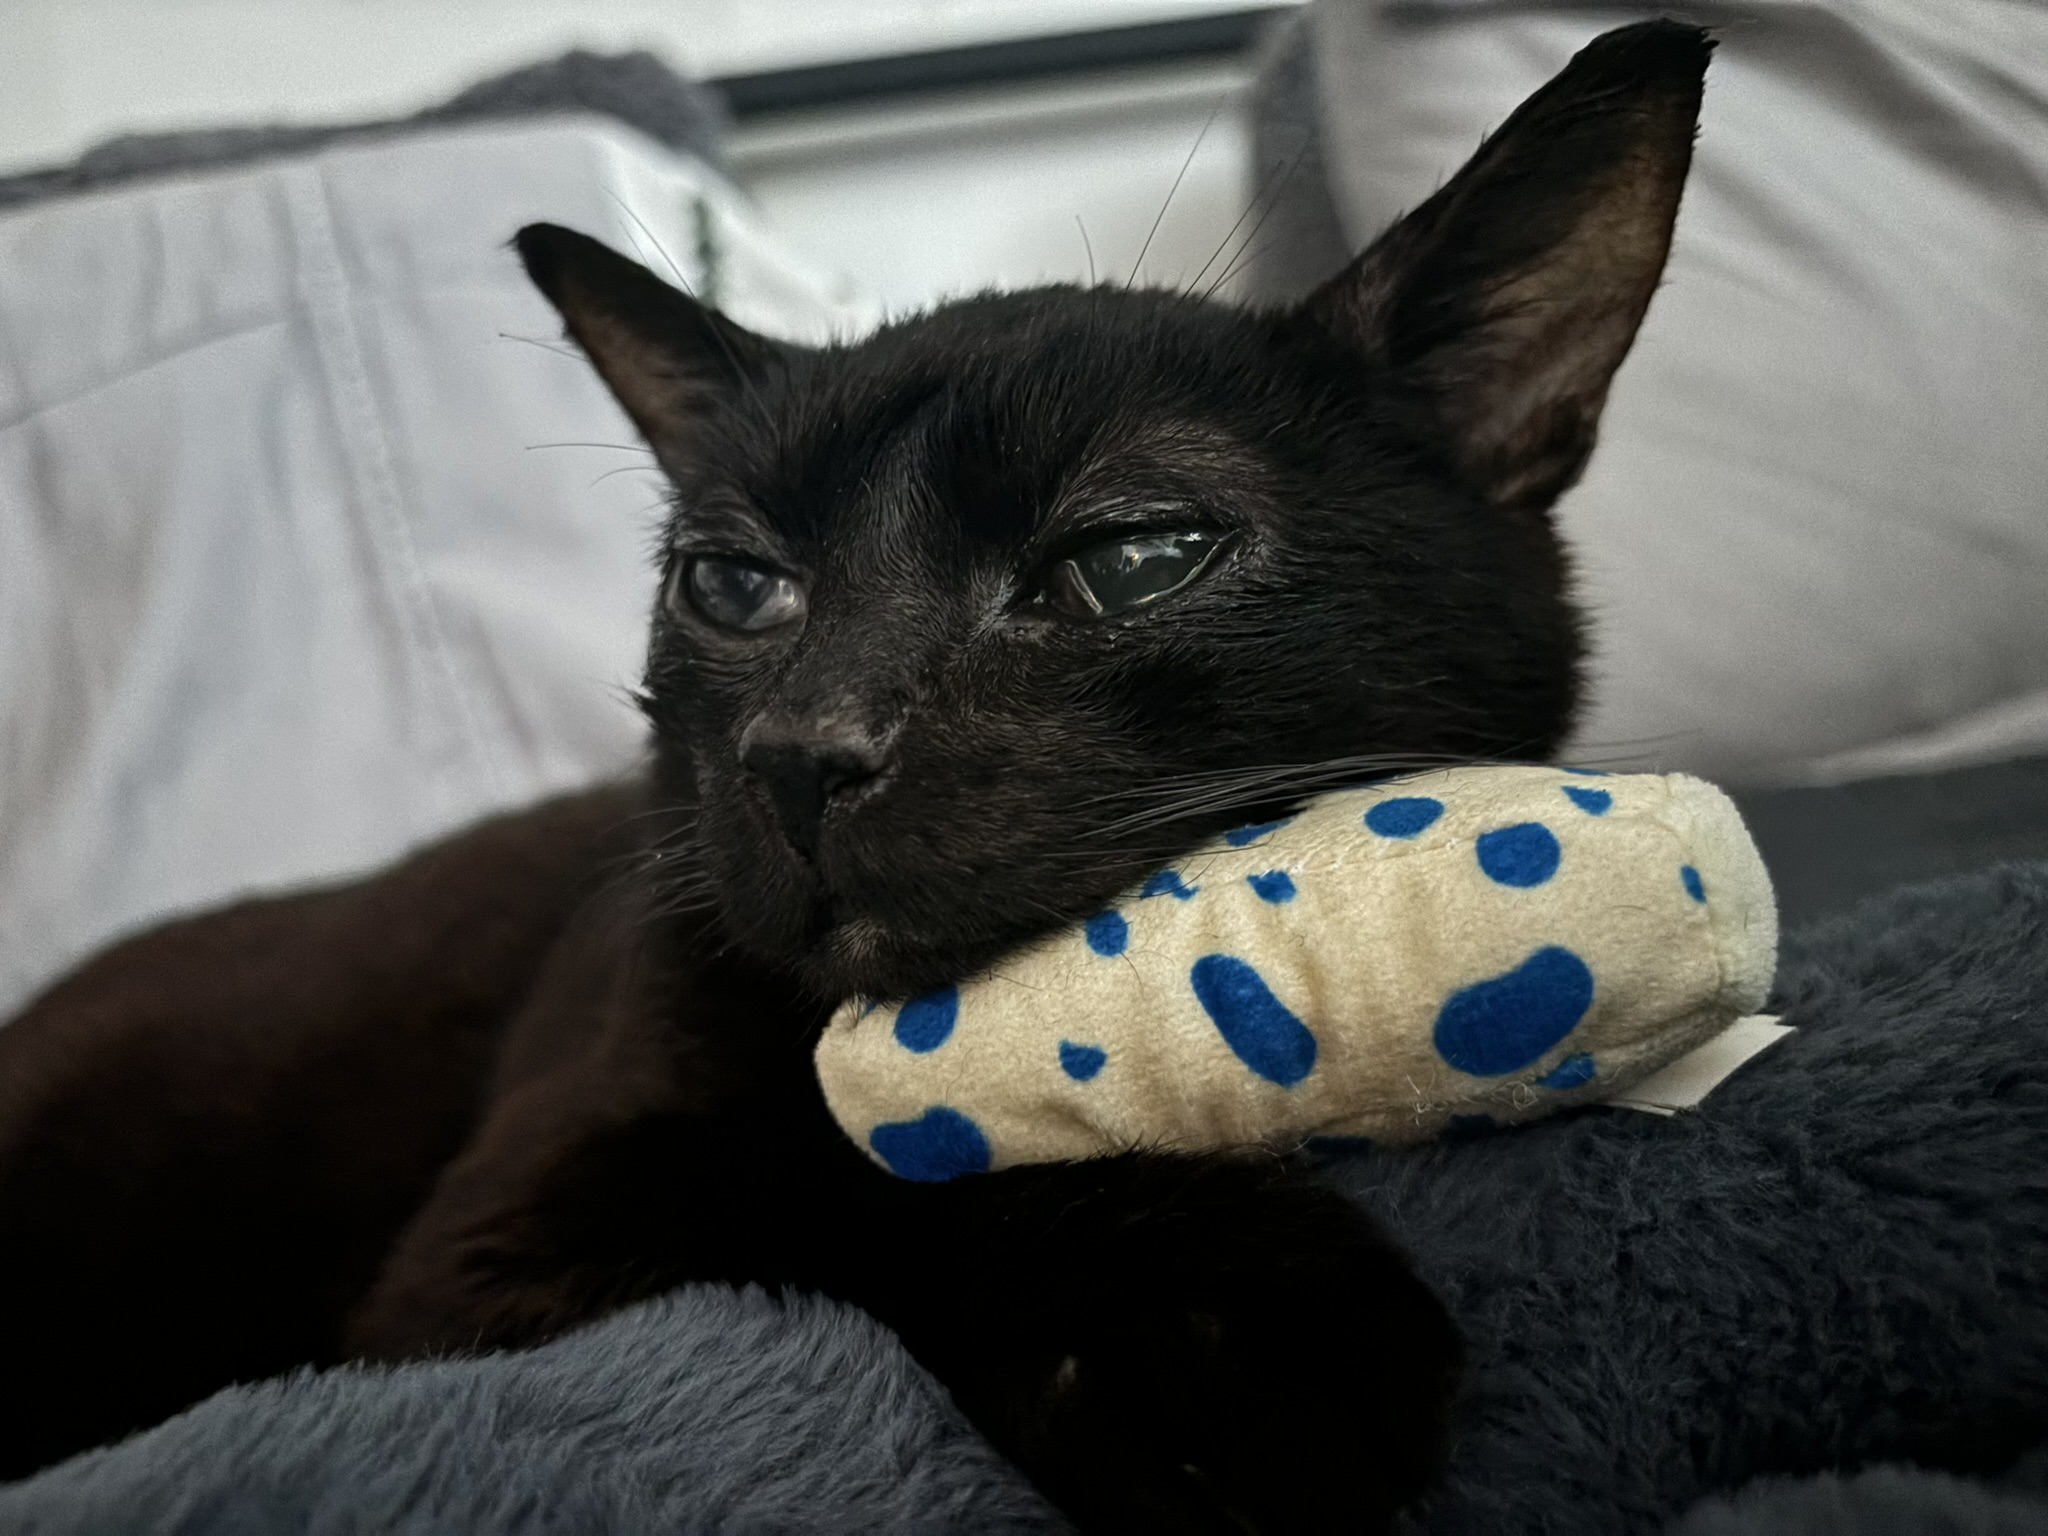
x=926 y=758
x=1377 y=460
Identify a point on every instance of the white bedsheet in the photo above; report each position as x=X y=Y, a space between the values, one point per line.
x=1814 y=538
x=289 y=579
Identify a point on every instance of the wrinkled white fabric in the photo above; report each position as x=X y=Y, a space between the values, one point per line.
x=289 y=581
x=1814 y=537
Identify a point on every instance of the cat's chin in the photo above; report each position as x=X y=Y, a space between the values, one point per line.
x=861 y=957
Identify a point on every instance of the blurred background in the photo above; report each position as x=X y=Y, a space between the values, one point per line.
x=906 y=184
x=316 y=542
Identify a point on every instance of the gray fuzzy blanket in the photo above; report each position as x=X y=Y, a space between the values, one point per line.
x=1835 y=1269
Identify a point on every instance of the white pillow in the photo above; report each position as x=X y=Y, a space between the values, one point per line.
x=288 y=581
x=1814 y=537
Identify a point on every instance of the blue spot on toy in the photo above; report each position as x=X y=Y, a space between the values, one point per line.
x=1409 y=816
x=941 y=1144
x=1594 y=802
x=1509 y=1022
x=1169 y=883
x=1108 y=933
x=1253 y=1022
x=1274 y=886
x=1522 y=855
x=1694 y=887
x=1242 y=837
x=1575 y=1071
x=925 y=1023
x=1081 y=1062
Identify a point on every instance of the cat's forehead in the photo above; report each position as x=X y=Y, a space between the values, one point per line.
x=992 y=421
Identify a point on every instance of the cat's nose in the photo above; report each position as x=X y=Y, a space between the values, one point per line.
x=805 y=766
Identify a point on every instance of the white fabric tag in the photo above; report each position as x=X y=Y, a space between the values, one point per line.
x=1697 y=1073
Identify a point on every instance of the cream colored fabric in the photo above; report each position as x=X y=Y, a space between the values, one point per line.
x=1494 y=942
x=1685 y=1083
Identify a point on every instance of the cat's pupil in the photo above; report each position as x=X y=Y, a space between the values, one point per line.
x=1122 y=574
x=734 y=594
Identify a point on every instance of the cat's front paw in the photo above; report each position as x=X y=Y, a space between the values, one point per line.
x=1201 y=1345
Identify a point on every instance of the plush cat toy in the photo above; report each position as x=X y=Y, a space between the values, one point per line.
x=1474 y=945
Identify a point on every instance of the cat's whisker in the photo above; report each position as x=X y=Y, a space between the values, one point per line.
x=1266 y=778
x=545 y=346
x=1237 y=265
x=1647 y=749
x=1228 y=235
x=746 y=379
x=1258 y=788
x=661 y=250
x=1276 y=182
x=1138 y=265
x=1234 y=775
x=1230 y=267
x=639 y=448
x=625 y=469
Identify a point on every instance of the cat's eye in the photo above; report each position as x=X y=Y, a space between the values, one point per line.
x=735 y=594
x=1122 y=574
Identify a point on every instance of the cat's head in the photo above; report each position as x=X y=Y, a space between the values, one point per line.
x=967 y=626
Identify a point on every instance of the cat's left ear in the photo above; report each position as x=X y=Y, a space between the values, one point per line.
x=668 y=359
x=1502 y=306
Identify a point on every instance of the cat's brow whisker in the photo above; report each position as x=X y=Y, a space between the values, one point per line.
x=682 y=282
x=546 y=346
x=1160 y=218
x=1237 y=265
x=1228 y=235
x=625 y=469
x=669 y=261
x=1280 y=173
x=1286 y=177
x=640 y=448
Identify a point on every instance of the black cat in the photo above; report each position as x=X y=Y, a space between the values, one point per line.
x=964 y=629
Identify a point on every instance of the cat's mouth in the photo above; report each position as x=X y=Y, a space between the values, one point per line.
x=854 y=931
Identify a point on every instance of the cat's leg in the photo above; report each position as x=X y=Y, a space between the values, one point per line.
x=1179 y=1344
x=1163 y=1343
x=210 y=1134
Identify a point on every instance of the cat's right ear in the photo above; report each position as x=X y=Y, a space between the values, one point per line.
x=668 y=359
x=1502 y=306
